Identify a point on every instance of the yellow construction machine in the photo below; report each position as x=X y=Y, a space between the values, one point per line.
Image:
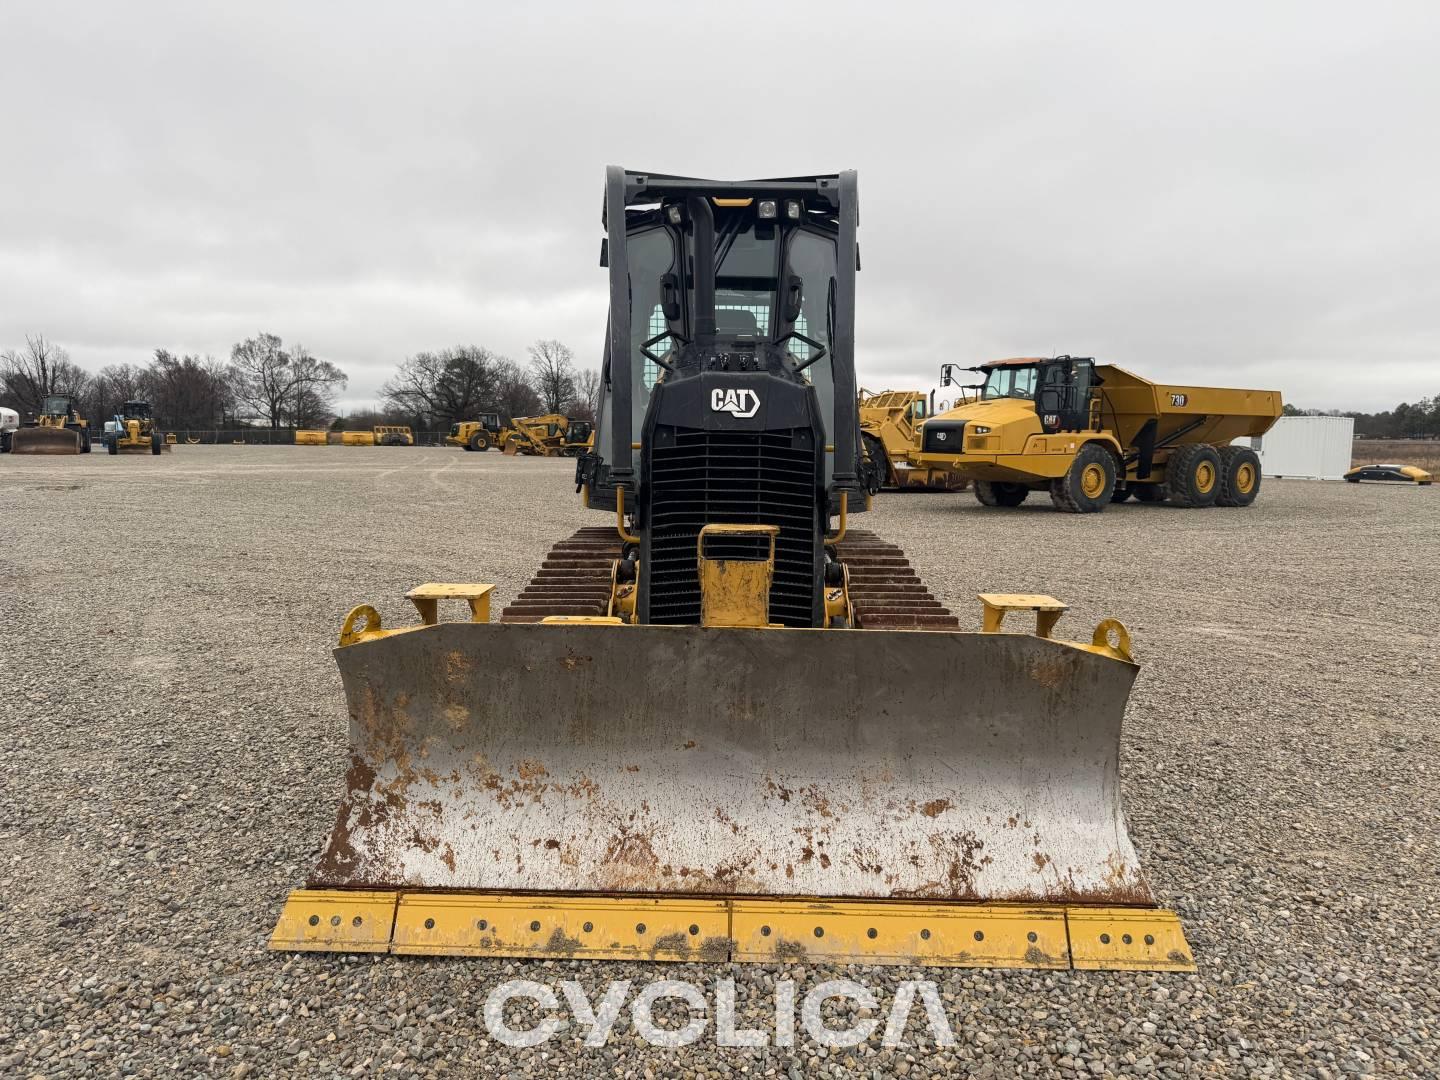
x=551 y=435
x=889 y=422
x=727 y=725
x=479 y=434
x=312 y=437
x=57 y=429
x=133 y=431
x=393 y=435
x=1092 y=434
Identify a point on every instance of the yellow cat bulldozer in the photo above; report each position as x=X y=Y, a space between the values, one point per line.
x=479 y=434
x=133 y=431
x=726 y=723
x=551 y=435
x=57 y=429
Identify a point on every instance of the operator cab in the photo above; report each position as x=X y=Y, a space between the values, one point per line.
x=135 y=410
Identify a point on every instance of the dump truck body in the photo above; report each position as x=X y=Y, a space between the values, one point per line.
x=1092 y=434
x=889 y=425
x=727 y=724
x=311 y=437
x=357 y=438
x=57 y=429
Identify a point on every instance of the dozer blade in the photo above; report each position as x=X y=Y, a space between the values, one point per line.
x=980 y=767
x=691 y=768
x=45 y=440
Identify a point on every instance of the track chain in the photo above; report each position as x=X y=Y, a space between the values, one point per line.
x=886 y=592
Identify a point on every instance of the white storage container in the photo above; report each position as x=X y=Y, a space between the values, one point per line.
x=1307 y=447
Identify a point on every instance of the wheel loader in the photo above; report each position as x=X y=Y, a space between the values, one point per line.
x=551 y=435
x=133 y=431
x=1092 y=434
x=725 y=723
x=889 y=421
x=479 y=434
x=57 y=429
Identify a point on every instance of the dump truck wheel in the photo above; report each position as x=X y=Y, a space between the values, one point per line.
x=85 y=442
x=156 y=444
x=1149 y=493
x=479 y=441
x=1192 y=477
x=999 y=493
x=1239 y=476
x=1088 y=484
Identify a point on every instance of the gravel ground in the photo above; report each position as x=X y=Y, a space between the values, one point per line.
x=174 y=738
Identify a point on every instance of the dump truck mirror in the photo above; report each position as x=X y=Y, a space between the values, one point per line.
x=794 y=293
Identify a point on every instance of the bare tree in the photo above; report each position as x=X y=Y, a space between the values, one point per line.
x=281 y=386
x=587 y=394
x=441 y=388
x=187 y=392
x=29 y=376
x=552 y=373
x=112 y=386
x=515 y=396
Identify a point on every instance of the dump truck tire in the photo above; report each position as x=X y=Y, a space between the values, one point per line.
x=1088 y=484
x=1239 y=476
x=1192 y=477
x=85 y=442
x=479 y=441
x=1149 y=493
x=156 y=444
x=999 y=493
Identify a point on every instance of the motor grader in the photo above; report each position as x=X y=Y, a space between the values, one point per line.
x=1092 y=434
x=57 y=429
x=133 y=431
x=889 y=421
x=479 y=434
x=727 y=724
x=551 y=435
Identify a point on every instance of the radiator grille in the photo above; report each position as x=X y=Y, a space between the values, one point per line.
x=736 y=478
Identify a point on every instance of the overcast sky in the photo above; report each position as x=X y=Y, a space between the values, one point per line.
x=1242 y=194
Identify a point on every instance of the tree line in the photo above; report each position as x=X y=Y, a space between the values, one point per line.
x=1420 y=420
x=266 y=383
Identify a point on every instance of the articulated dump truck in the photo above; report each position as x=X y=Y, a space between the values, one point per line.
x=1095 y=434
x=889 y=421
x=726 y=724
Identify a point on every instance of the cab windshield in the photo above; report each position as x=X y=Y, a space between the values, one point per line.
x=1015 y=382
